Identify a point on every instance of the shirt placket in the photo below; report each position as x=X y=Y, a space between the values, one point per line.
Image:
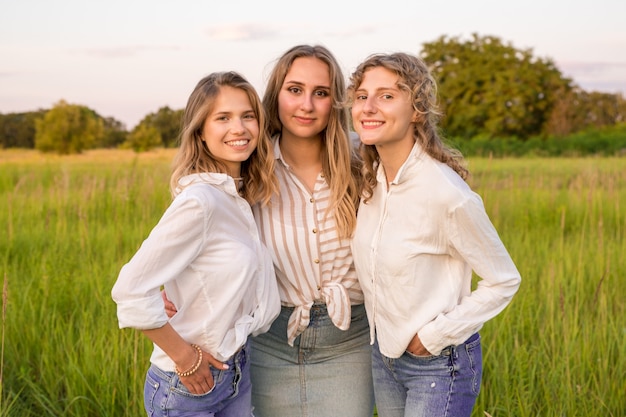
x=314 y=234
x=375 y=245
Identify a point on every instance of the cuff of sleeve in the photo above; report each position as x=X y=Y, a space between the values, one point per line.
x=432 y=340
x=143 y=314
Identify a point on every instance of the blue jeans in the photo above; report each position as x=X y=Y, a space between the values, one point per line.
x=327 y=373
x=446 y=385
x=166 y=396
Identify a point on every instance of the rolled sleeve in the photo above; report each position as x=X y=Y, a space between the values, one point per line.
x=169 y=249
x=143 y=313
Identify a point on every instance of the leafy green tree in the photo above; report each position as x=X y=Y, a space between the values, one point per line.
x=578 y=110
x=143 y=138
x=17 y=130
x=115 y=133
x=168 y=122
x=68 y=128
x=488 y=88
x=605 y=109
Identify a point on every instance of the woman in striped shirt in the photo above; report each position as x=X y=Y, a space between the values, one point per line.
x=316 y=359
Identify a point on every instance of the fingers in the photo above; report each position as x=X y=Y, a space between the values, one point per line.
x=215 y=363
x=170 y=308
x=201 y=381
x=416 y=347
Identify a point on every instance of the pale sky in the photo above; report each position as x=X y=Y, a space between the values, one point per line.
x=128 y=58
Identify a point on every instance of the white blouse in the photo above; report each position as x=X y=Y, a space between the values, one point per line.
x=415 y=247
x=207 y=253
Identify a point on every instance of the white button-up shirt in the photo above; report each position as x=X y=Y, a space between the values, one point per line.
x=415 y=246
x=207 y=253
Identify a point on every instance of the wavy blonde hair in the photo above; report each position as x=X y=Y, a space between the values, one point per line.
x=340 y=162
x=416 y=79
x=193 y=155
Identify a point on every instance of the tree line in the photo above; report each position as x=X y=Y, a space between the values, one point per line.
x=490 y=93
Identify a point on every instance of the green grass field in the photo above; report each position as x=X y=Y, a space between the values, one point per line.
x=70 y=223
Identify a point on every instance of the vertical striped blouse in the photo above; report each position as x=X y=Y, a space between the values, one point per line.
x=313 y=265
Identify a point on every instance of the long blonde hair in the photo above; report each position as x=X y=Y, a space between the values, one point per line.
x=193 y=155
x=340 y=162
x=416 y=79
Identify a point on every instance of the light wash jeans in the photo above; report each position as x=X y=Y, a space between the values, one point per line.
x=327 y=373
x=166 y=396
x=446 y=385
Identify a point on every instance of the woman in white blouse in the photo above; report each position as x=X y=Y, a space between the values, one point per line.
x=316 y=359
x=420 y=233
x=207 y=253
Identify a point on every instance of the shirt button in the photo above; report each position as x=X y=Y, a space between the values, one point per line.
x=312 y=200
x=314 y=230
x=316 y=261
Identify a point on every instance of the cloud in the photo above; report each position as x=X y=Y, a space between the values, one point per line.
x=242 y=31
x=124 y=51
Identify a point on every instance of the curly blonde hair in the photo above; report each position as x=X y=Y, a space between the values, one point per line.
x=193 y=155
x=416 y=79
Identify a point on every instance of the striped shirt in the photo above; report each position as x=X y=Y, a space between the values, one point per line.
x=313 y=265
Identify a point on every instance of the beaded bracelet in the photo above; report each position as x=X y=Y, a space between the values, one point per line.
x=194 y=368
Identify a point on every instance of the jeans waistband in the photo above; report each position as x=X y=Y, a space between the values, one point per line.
x=318 y=310
x=319 y=307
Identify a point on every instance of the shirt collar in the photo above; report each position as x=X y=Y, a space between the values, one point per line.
x=218 y=179
x=277 y=154
x=415 y=157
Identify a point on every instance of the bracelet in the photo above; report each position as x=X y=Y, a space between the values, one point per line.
x=194 y=368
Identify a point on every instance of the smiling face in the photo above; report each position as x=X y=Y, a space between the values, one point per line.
x=304 y=102
x=231 y=130
x=382 y=113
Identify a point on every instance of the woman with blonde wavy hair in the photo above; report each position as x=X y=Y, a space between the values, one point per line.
x=207 y=253
x=315 y=360
x=421 y=233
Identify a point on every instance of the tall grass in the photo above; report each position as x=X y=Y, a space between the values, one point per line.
x=559 y=349
x=70 y=223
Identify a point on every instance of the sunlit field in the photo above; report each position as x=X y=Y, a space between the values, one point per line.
x=71 y=222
